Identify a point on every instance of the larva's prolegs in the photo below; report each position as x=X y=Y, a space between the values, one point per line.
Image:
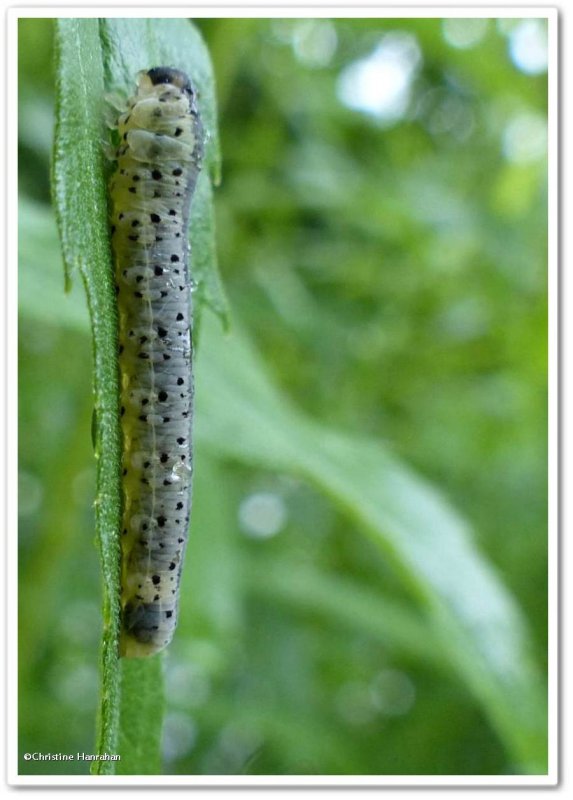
x=158 y=162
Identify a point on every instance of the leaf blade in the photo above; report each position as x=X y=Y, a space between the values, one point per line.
x=79 y=196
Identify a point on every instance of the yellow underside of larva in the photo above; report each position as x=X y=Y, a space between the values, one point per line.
x=130 y=647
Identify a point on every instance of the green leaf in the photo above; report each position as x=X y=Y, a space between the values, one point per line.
x=480 y=630
x=93 y=57
x=79 y=194
x=40 y=283
x=347 y=603
x=142 y=709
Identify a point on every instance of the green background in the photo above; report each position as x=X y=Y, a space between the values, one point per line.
x=393 y=278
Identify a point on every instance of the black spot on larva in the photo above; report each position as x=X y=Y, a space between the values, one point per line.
x=138 y=295
x=180 y=381
x=161 y=332
x=156 y=598
x=172 y=212
x=157 y=193
x=135 y=223
x=132 y=189
x=174 y=259
x=143 y=355
x=147 y=464
x=179 y=317
x=125 y=137
x=169 y=614
x=180 y=540
x=166 y=357
x=176 y=271
x=156 y=579
x=164 y=458
x=158 y=271
x=166 y=482
x=133 y=237
x=162 y=396
x=161 y=521
x=122 y=411
x=120 y=349
x=138 y=278
x=136 y=178
x=159 y=238
x=124 y=471
x=144 y=527
x=177 y=235
x=179 y=506
x=166 y=419
x=143 y=417
x=156 y=175
x=116 y=289
x=145 y=401
x=142 y=339
x=172 y=565
x=155 y=217
x=164 y=294
x=177 y=171
x=112 y=229
x=178 y=131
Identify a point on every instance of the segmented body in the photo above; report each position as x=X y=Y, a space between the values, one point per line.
x=158 y=162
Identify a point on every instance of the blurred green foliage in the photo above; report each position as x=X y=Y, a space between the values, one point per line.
x=392 y=272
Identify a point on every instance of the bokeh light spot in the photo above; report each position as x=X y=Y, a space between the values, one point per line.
x=393 y=693
x=30 y=494
x=463 y=33
x=381 y=83
x=528 y=46
x=525 y=138
x=262 y=515
x=314 y=42
x=179 y=735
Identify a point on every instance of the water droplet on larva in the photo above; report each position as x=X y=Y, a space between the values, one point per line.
x=181 y=470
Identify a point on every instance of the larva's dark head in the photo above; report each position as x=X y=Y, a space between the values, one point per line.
x=170 y=75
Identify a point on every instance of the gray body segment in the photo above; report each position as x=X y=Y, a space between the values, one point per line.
x=158 y=162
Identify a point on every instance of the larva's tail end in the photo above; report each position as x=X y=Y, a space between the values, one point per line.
x=130 y=647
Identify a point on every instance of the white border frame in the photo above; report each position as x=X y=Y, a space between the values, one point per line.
x=232 y=10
